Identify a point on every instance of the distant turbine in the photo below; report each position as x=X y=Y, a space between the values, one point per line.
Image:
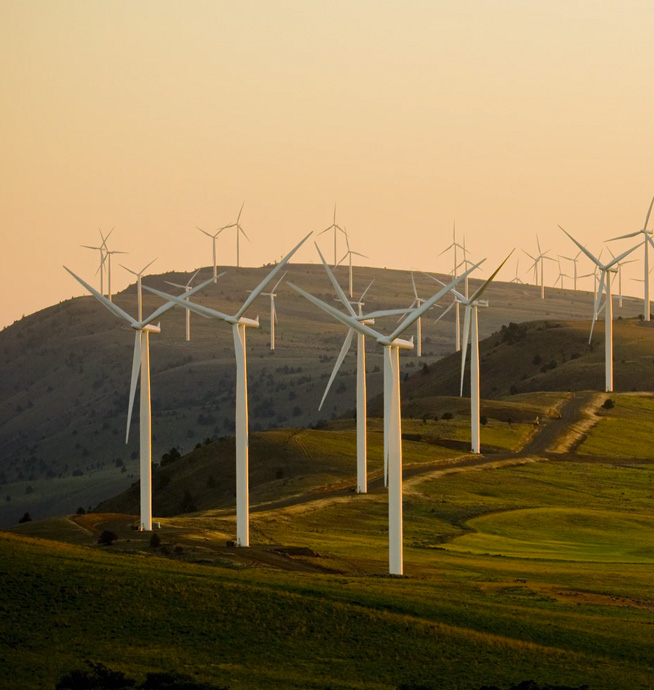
x=239 y=232
x=471 y=332
x=517 y=279
x=335 y=228
x=604 y=287
x=238 y=323
x=540 y=259
x=186 y=287
x=348 y=254
x=392 y=345
x=273 y=311
x=561 y=276
x=102 y=248
x=574 y=274
x=214 y=237
x=456 y=265
x=646 y=240
x=417 y=302
x=139 y=292
x=620 y=264
x=140 y=361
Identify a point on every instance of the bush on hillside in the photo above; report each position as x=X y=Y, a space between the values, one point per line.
x=107 y=538
x=26 y=518
x=608 y=404
x=172 y=455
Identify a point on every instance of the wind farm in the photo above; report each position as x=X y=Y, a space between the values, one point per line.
x=379 y=414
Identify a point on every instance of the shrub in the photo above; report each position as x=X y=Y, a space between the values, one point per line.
x=608 y=404
x=172 y=455
x=81 y=511
x=482 y=420
x=155 y=540
x=26 y=518
x=107 y=538
x=447 y=415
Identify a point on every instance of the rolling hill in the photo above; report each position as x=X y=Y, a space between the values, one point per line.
x=65 y=377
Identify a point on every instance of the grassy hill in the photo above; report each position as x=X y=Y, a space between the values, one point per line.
x=536 y=571
x=65 y=376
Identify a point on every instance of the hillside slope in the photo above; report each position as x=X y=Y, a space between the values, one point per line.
x=65 y=376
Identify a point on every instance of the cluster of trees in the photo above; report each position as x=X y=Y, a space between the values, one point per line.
x=523 y=685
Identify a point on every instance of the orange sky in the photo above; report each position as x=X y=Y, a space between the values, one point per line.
x=156 y=116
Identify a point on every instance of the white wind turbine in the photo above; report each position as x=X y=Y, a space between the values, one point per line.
x=604 y=287
x=139 y=291
x=574 y=273
x=186 y=287
x=238 y=323
x=141 y=361
x=214 y=238
x=540 y=259
x=273 y=311
x=239 y=232
x=471 y=331
x=417 y=302
x=646 y=240
x=517 y=278
x=456 y=265
x=102 y=249
x=348 y=255
x=392 y=345
x=620 y=264
x=335 y=227
x=561 y=276
x=361 y=404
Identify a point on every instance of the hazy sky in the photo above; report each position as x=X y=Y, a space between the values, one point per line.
x=155 y=116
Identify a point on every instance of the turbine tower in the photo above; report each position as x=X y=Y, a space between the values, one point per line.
x=141 y=361
x=646 y=240
x=139 y=291
x=392 y=345
x=238 y=323
x=604 y=287
x=517 y=279
x=471 y=332
x=186 y=287
x=574 y=273
x=336 y=228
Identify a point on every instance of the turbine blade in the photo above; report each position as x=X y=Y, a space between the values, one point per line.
x=278 y=282
x=136 y=366
x=117 y=311
x=183 y=301
x=417 y=313
x=445 y=312
x=169 y=305
x=148 y=265
x=583 y=249
x=649 y=210
x=622 y=256
x=238 y=218
x=479 y=292
x=464 y=344
x=623 y=237
x=365 y=292
x=205 y=232
x=271 y=276
x=192 y=278
x=129 y=270
x=413 y=282
x=335 y=283
x=384 y=312
x=345 y=319
x=339 y=361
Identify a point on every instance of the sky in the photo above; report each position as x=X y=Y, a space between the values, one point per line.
x=154 y=117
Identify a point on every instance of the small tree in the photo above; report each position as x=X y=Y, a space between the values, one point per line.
x=482 y=420
x=155 y=540
x=608 y=404
x=26 y=518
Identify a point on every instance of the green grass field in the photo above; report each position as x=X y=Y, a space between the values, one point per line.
x=540 y=570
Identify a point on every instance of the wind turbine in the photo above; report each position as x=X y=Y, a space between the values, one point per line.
x=471 y=332
x=517 y=279
x=239 y=231
x=574 y=273
x=348 y=254
x=392 y=345
x=604 y=287
x=141 y=361
x=273 y=311
x=540 y=259
x=139 y=292
x=214 y=237
x=646 y=240
x=561 y=276
x=417 y=302
x=456 y=265
x=186 y=287
x=620 y=264
x=102 y=248
x=238 y=323
x=335 y=227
